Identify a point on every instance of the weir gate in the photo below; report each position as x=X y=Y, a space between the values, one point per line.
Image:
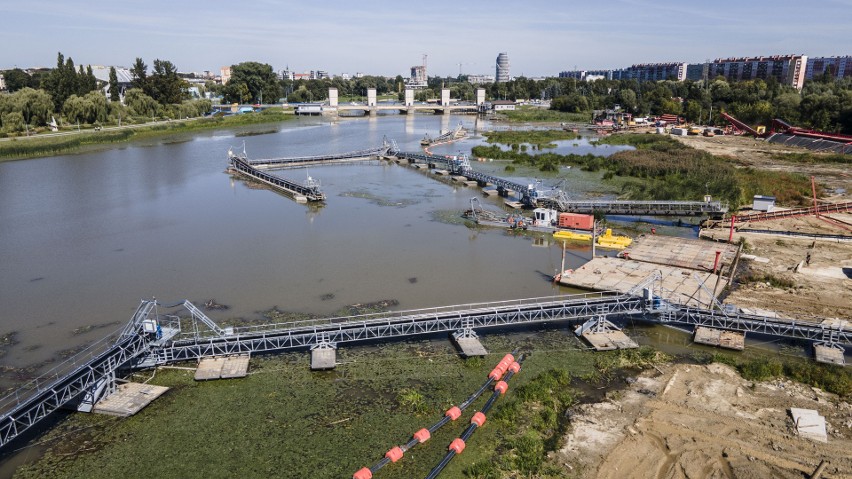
x=152 y=338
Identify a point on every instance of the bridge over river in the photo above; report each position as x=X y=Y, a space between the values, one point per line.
x=150 y=339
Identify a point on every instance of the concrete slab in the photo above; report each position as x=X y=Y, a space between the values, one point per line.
x=809 y=424
x=235 y=366
x=323 y=358
x=470 y=347
x=442 y=172
x=614 y=274
x=514 y=204
x=470 y=183
x=681 y=252
x=128 y=399
x=609 y=340
x=490 y=192
x=209 y=368
x=721 y=338
x=829 y=355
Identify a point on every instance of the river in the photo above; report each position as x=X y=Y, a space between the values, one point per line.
x=84 y=237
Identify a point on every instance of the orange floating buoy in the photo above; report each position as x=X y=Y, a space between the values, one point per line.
x=501 y=387
x=457 y=445
x=394 y=454
x=363 y=473
x=422 y=435
x=453 y=413
x=478 y=418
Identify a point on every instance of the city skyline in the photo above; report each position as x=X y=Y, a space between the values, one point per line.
x=378 y=38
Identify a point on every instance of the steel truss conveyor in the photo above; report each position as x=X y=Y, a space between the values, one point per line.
x=394 y=325
x=320 y=159
x=311 y=190
x=150 y=339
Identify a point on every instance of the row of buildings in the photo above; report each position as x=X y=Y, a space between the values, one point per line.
x=792 y=70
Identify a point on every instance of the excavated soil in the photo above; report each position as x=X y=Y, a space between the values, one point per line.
x=781 y=279
x=692 y=422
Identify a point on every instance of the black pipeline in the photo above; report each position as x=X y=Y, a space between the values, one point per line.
x=451 y=414
x=478 y=419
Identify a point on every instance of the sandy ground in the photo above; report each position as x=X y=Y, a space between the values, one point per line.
x=821 y=288
x=706 y=422
x=759 y=154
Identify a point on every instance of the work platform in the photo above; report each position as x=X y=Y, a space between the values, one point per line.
x=226 y=367
x=717 y=337
x=677 y=285
x=128 y=399
x=829 y=354
x=681 y=252
x=323 y=358
x=468 y=343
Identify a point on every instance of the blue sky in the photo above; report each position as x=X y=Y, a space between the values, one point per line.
x=386 y=38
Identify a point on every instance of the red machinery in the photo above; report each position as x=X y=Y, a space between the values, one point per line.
x=780 y=126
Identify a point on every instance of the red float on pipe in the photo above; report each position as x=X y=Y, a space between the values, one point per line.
x=363 y=473
x=501 y=387
x=478 y=419
x=422 y=435
x=453 y=413
x=716 y=263
x=394 y=454
x=515 y=367
x=457 y=445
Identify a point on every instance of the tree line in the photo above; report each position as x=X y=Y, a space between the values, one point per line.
x=74 y=96
x=823 y=103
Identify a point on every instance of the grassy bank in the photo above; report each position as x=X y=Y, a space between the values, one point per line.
x=540 y=138
x=663 y=169
x=283 y=417
x=48 y=146
x=814 y=158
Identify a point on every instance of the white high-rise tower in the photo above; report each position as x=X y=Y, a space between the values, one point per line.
x=502 y=73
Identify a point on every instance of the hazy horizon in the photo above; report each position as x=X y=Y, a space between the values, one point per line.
x=378 y=38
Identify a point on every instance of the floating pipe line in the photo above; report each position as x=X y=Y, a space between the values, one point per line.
x=453 y=413
x=478 y=420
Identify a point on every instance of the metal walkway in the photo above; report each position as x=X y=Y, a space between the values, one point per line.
x=310 y=190
x=319 y=159
x=796 y=212
x=532 y=195
x=151 y=339
x=642 y=208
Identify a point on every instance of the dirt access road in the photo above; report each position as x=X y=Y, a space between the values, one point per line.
x=697 y=422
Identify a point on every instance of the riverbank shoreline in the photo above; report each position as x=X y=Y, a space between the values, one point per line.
x=25 y=148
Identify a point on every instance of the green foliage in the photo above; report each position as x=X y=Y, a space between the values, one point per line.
x=532 y=137
x=771 y=279
x=760 y=369
x=531 y=114
x=114 y=94
x=413 y=401
x=251 y=80
x=140 y=104
x=17 y=79
x=828 y=377
x=13 y=122
x=814 y=158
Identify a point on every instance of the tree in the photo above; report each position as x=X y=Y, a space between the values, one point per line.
x=13 y=122
x=16 y=79
x=259 y=80
x=61 y=82
x=140 y=104
x=114 y=94
x=139 y=74
x=35 y=106
x=165 y=85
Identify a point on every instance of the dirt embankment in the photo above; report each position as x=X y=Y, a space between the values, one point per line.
x=706 y=422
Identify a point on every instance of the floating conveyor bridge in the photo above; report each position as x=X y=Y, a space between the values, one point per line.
x=151 y=339
x=534 y=195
